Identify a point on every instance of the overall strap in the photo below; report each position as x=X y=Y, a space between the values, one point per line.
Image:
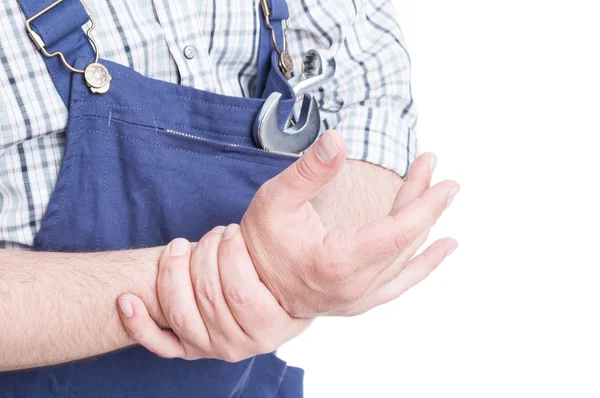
x=269 y=77
x=59 y=28
x=278 y=15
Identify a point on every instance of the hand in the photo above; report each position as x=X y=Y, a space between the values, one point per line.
x=407 y=271
x=312 y=271
x=213 y=302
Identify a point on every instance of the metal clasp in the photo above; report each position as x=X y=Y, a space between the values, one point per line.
x=96 y=75
x=286 y=64
x=42 y=46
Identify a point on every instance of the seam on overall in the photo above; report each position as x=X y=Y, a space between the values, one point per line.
x=151 y=182
x=110 y=118
x=103 y=190
x=182 y=96
x=226 y=158
x=68 y=178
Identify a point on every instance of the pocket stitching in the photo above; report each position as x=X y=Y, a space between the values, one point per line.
x=98 y=230
x=227 y=158
x=160 y=120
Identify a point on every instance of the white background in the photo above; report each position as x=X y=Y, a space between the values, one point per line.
x=508 y=94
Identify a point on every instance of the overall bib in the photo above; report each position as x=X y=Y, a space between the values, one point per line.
x=144 y=163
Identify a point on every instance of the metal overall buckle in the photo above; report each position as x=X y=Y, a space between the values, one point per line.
x=95 y=74
x=285 y=61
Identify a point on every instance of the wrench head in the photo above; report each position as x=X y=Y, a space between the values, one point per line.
x=318 y=62
x=294 y=139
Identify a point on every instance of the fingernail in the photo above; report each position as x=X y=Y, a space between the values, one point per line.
x=219 y=229
x=450 y=251
x=451 y=195
x=230 y=231
x=126 y=308
x=179 y=247
x=326 y=148
x=432 y=164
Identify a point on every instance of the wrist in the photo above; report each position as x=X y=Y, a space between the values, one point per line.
x=145 y=271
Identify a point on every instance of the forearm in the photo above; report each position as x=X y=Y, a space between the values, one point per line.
x=361 y=193
x=60 y=307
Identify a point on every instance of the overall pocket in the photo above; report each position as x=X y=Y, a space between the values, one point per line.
x=129 y=180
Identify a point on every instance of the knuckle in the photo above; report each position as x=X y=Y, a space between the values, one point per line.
x=236 y=295
x=173 y=264
x=194 y=339
x=306 y=170
x=402 y=240
x=211 y=239
x=207 y=241
x=205 y=291
x=179 y=320
x=230 y=251
x=136 y=333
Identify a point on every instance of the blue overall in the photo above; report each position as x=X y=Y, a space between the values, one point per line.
x=147 y=162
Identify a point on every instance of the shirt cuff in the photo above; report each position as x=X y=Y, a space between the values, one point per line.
x=377 y=135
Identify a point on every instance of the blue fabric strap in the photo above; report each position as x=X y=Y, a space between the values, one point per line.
x=279 y=13
x=60 y=29
x=276 y=82
x=269 y=77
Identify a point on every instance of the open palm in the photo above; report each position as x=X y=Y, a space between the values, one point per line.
x=315 y=272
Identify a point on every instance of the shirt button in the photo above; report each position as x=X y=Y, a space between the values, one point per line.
x=189 y=52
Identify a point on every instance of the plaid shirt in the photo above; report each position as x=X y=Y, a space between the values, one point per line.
x=369 y=100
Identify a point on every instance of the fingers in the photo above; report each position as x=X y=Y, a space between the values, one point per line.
x=385 y=276
x=304 y=179
x=176 y=294
x=251 y=303
x=223 y=330
x=389 y=237
x=417 y=270
x=417 y=181
x=142 y=328
x=394 y=269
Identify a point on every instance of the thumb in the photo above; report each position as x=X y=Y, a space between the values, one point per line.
x=305 y=178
